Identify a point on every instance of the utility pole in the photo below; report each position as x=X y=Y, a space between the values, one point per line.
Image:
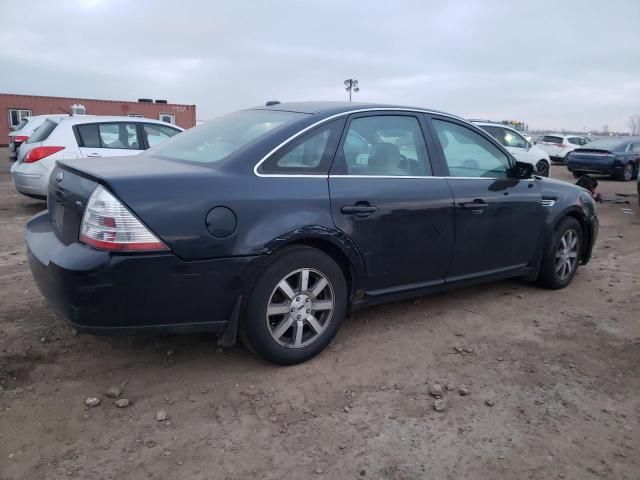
x=351 y=85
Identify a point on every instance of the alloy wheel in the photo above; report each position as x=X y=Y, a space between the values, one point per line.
x=543 y=168
x=627 y=174
x=300 y=308
x=567 y=254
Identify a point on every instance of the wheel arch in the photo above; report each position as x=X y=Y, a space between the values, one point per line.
x=586 y=231
x=333 y=243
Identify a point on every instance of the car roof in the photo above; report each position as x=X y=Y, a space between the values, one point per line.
x=80 y=119
x=341 y=107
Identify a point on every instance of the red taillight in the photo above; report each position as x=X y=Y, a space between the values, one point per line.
x=20 y=138
x=109 y=225
x=39 y=153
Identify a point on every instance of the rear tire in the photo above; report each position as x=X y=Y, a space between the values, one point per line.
x=543 y=168
x=628 y=173
x=295 y=307
x=562 y=256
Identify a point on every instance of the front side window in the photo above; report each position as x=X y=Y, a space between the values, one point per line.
x=468 y=154
x=217 y=139
x=310 y=154
x=386 y=145
x=158 y=133
x=118 y=135
x=552 y=139
x=635 y=147
x=575 y=141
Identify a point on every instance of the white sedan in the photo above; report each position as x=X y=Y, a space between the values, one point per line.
x=518 y=146
x=82 y=137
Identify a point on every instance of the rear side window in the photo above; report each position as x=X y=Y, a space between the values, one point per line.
x=575 y=141
x=158 y=133
x=309 y=154
x=468 y=154
x=42 y=132
x=552 y=139
x=635 y=147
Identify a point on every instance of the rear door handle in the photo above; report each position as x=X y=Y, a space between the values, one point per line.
x=359 y=210
x=93 y=155
x=477 y=206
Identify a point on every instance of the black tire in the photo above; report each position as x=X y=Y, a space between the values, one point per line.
x=550 y=277
x=543 y=168
x=258 y=329
x=628 y=173
x=576 y=173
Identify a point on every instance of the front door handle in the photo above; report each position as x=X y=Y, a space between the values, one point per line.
x=93 y=155
x=359 y=209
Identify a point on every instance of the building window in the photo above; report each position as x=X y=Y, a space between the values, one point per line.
x=16 y=115
x=136 y=115
x=167 y=117
x=78 y=109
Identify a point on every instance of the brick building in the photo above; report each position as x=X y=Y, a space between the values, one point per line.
x=14 y=107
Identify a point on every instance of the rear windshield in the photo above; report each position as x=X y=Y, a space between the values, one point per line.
x=42 y=132
x=552 y=139
x=607 y=144
x=219 y=138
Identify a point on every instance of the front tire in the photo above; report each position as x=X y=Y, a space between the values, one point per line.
x=296 y=306
x=543 y=168
x=562 y=257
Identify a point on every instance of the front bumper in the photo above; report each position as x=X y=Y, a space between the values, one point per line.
x=103 y=293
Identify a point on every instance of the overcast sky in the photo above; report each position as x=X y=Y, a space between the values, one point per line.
x=554 y=64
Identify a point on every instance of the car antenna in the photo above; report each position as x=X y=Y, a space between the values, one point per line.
x=68 y=113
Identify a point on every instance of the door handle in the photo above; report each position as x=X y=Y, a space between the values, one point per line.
x=477 y=203
x=477 y=206
x=361 y=210
x=93 y=155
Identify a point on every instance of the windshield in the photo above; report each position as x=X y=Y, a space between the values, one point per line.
x=219 y=138
x=606 y=144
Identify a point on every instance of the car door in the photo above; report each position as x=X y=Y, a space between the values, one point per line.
x=108 y=139
x=498 y=217
x=386 y=198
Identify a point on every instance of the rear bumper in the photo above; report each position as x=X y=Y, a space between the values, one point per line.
x=103 y=293
x=603 y=168
x=31 y=184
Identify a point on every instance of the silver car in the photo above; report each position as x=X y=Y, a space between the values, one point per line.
x=82 y=137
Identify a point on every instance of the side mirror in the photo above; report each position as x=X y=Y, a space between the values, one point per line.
x=525 y=170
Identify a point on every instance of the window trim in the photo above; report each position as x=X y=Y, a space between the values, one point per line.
x=338 y=115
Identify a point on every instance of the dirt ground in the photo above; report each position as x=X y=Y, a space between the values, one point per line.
x=561 y=370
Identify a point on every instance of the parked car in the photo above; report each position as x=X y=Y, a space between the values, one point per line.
x=518 y=146
x=615 y=156
x=24 y=130
x=262 y=224
x=82 y=137
x=558 y=146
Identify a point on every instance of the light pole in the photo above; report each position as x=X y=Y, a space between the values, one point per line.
x=351 y=85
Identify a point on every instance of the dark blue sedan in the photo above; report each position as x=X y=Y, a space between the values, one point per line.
x=615 y=156
x=273 y=223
